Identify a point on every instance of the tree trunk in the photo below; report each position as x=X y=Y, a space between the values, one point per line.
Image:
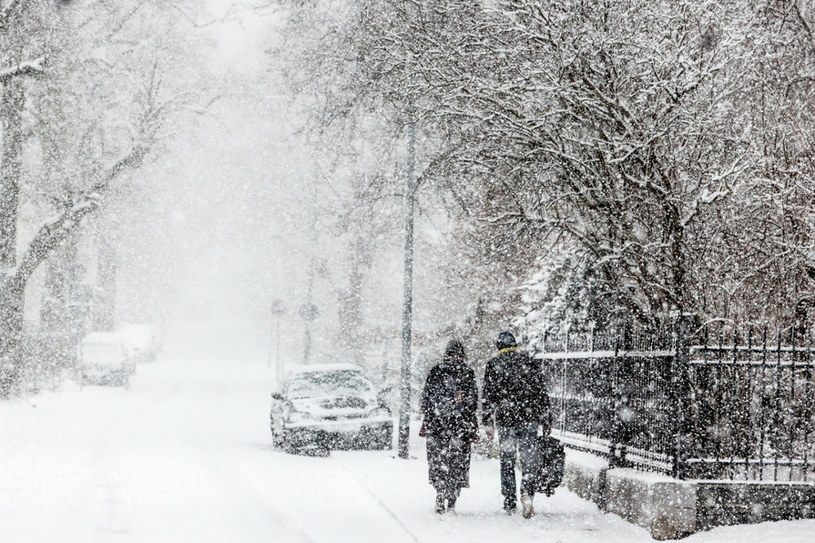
x=11 y=108
x=61 y=293
x=350 y=310
x=12 y=293
x=105 y=314
x=12 y=298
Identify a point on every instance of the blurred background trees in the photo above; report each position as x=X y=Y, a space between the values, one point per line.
x=95 y=88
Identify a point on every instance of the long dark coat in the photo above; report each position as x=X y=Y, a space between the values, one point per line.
x=449 y=404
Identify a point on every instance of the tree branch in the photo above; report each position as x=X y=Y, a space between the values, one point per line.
x=54 y=231
x=32 y=67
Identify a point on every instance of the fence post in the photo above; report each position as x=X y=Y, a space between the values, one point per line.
x=617 y=445
x=592 y=332
x=612 y=446
x=680 y=380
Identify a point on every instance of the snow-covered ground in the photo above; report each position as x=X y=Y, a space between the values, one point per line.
x=185 y=455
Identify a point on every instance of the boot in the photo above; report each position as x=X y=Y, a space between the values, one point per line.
x=527 y=510
x=440 y=503
x=451 y=504
x=452 y=496
x=510 y=505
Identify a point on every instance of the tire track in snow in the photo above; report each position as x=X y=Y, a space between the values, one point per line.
x=116 y=522
x=379 y=502
x=112 y=517
x=233 y=480
x=271 y=513
x=111 y=491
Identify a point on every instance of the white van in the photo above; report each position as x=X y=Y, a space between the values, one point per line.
x=103 y=360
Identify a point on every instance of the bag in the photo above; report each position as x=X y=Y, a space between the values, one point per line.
x=550 y=465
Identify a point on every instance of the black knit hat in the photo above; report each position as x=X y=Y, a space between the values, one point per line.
x=505 y=340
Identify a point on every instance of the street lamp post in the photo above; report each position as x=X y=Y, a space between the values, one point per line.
x=277 y=311
x=308 y=312
x=407 y=304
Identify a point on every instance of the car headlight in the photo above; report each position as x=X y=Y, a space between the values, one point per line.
x=381 y=412
x=297 y=416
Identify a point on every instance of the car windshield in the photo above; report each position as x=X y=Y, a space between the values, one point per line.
x=102 y=353
x=311 y=384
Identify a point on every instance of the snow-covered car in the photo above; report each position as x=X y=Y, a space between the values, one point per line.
x=330 y=406
x=142 y=341
x=104 y=360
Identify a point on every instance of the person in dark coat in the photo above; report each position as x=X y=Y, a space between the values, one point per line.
x=450 y=424
x=515 y=400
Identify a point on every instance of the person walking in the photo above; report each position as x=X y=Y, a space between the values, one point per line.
x=515 y=399
x=450 y=424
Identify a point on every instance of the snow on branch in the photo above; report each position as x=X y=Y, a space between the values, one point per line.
x=802 y=14
x=32 y=67
x=13 y=7
x=707 y=197
x=55 y=230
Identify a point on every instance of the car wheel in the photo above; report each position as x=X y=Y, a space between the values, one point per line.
x=385 y=443
x=379 y=442
x=277 y=439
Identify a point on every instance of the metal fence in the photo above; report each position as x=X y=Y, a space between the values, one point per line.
x=715 y=403
x=753 y=405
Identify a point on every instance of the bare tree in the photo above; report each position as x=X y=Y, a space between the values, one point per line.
x=111 y=69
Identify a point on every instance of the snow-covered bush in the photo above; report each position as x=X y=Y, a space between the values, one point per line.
x=563 y=292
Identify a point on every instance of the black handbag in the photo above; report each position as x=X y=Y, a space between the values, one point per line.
x=551 y=459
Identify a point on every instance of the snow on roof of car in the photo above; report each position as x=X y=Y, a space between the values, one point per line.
x=308 y=368
x=138 y=328
x=102 y=337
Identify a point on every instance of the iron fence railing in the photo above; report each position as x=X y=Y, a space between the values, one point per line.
x=714 y=404
x=753 y=405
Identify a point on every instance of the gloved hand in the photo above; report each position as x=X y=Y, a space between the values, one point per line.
x=490 y=432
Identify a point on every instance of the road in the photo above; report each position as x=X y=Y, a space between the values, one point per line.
x=185 y=455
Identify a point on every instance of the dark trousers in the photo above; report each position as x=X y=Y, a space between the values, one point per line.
x=518 y=442
x=448 y=463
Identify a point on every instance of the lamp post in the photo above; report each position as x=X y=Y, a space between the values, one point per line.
x=308 y=312
x=276 y=311
x=407 y=302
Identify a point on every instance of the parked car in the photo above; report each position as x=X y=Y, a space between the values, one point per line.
x=104 y=360
x=330 y=406
x=142 y=341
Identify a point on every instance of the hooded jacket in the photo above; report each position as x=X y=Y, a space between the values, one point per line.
x=450 y=397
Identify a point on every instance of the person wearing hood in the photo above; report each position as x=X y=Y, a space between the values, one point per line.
x=450 y=424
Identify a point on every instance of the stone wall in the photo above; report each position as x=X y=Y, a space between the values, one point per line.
x=671 y=509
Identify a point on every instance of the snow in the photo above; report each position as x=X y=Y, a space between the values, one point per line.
x=103 y=348
x=584 y=459
x=186 y=455
x=141 y=337
x=319 y=368
x=28 y=67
